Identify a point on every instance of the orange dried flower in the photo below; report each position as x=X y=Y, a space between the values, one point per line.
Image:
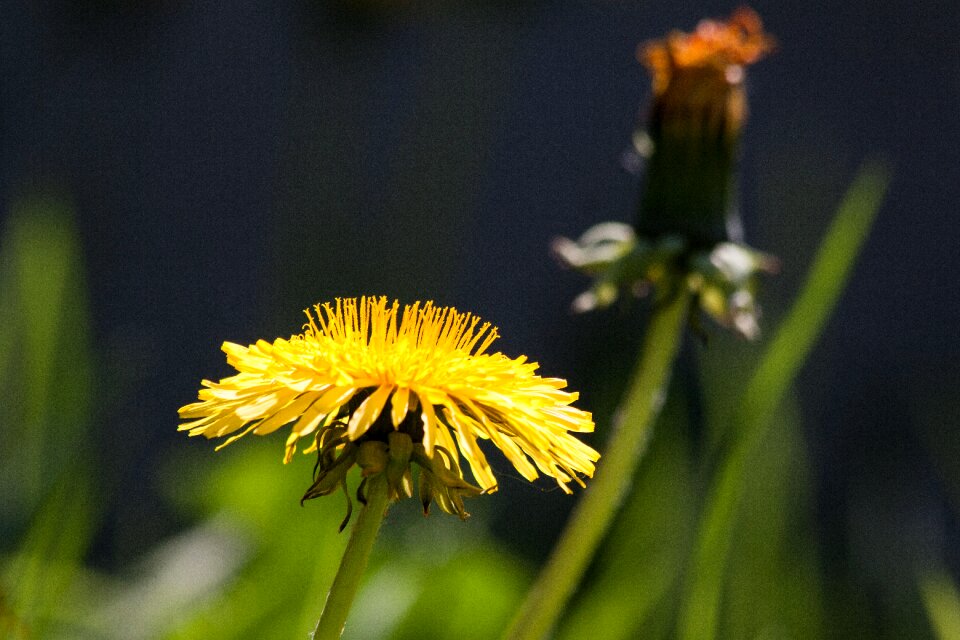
x=721 y=46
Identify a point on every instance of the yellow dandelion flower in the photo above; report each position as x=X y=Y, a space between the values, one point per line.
x=363 y=369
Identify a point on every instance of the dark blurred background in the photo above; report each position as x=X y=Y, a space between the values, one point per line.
x=229 y=164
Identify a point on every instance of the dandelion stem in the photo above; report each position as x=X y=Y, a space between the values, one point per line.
x=354 y=561
x=594 y=513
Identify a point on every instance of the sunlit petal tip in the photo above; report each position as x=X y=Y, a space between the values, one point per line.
x=291 y=448
x=232 y=347
x=188 y=410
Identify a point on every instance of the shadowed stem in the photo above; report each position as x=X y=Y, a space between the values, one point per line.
x=592 y=516
x=354 y=561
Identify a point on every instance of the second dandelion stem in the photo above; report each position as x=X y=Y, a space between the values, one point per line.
x=594 y=513
x=354 y=561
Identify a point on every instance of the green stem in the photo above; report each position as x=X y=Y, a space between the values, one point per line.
x=354 y=561
x=594 y=513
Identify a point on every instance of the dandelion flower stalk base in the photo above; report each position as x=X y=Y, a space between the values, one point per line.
x=354 y=561
x=595 y=512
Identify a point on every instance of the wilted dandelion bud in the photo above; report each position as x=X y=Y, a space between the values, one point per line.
x=687 y=231
x=698 y=110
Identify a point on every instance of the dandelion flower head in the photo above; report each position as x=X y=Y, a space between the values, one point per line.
x=363 y=368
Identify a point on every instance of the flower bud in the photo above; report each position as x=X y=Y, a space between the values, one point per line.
x=698 y=110
x=687 y=233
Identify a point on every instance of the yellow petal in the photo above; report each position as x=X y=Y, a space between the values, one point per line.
x=401 y=405
x=334 y=398
x=259 y=407
x=368 y=411
x=221 y=426
x=429 y=425
x=464 y=429
x=285 y=414
x=313 y=415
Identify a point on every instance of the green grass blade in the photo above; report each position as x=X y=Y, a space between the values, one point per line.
x=773 y=586
x=46 y=519
x=942 y=602
x=776 y=372
x=45 y=357
x=51 y=554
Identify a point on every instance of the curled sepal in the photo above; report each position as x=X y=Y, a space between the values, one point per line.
x=399 y=450
x=612 y=253
x=441 y=481
x=723 y=279
x=335 y=455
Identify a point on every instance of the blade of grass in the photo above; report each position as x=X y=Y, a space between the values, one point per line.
x=776 y=372
x=51 y=553
x=45 y=374
x=45 y=364
x=774 y=574
x=942 y=602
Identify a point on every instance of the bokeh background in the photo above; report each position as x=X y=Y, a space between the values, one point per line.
x=176 y=173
